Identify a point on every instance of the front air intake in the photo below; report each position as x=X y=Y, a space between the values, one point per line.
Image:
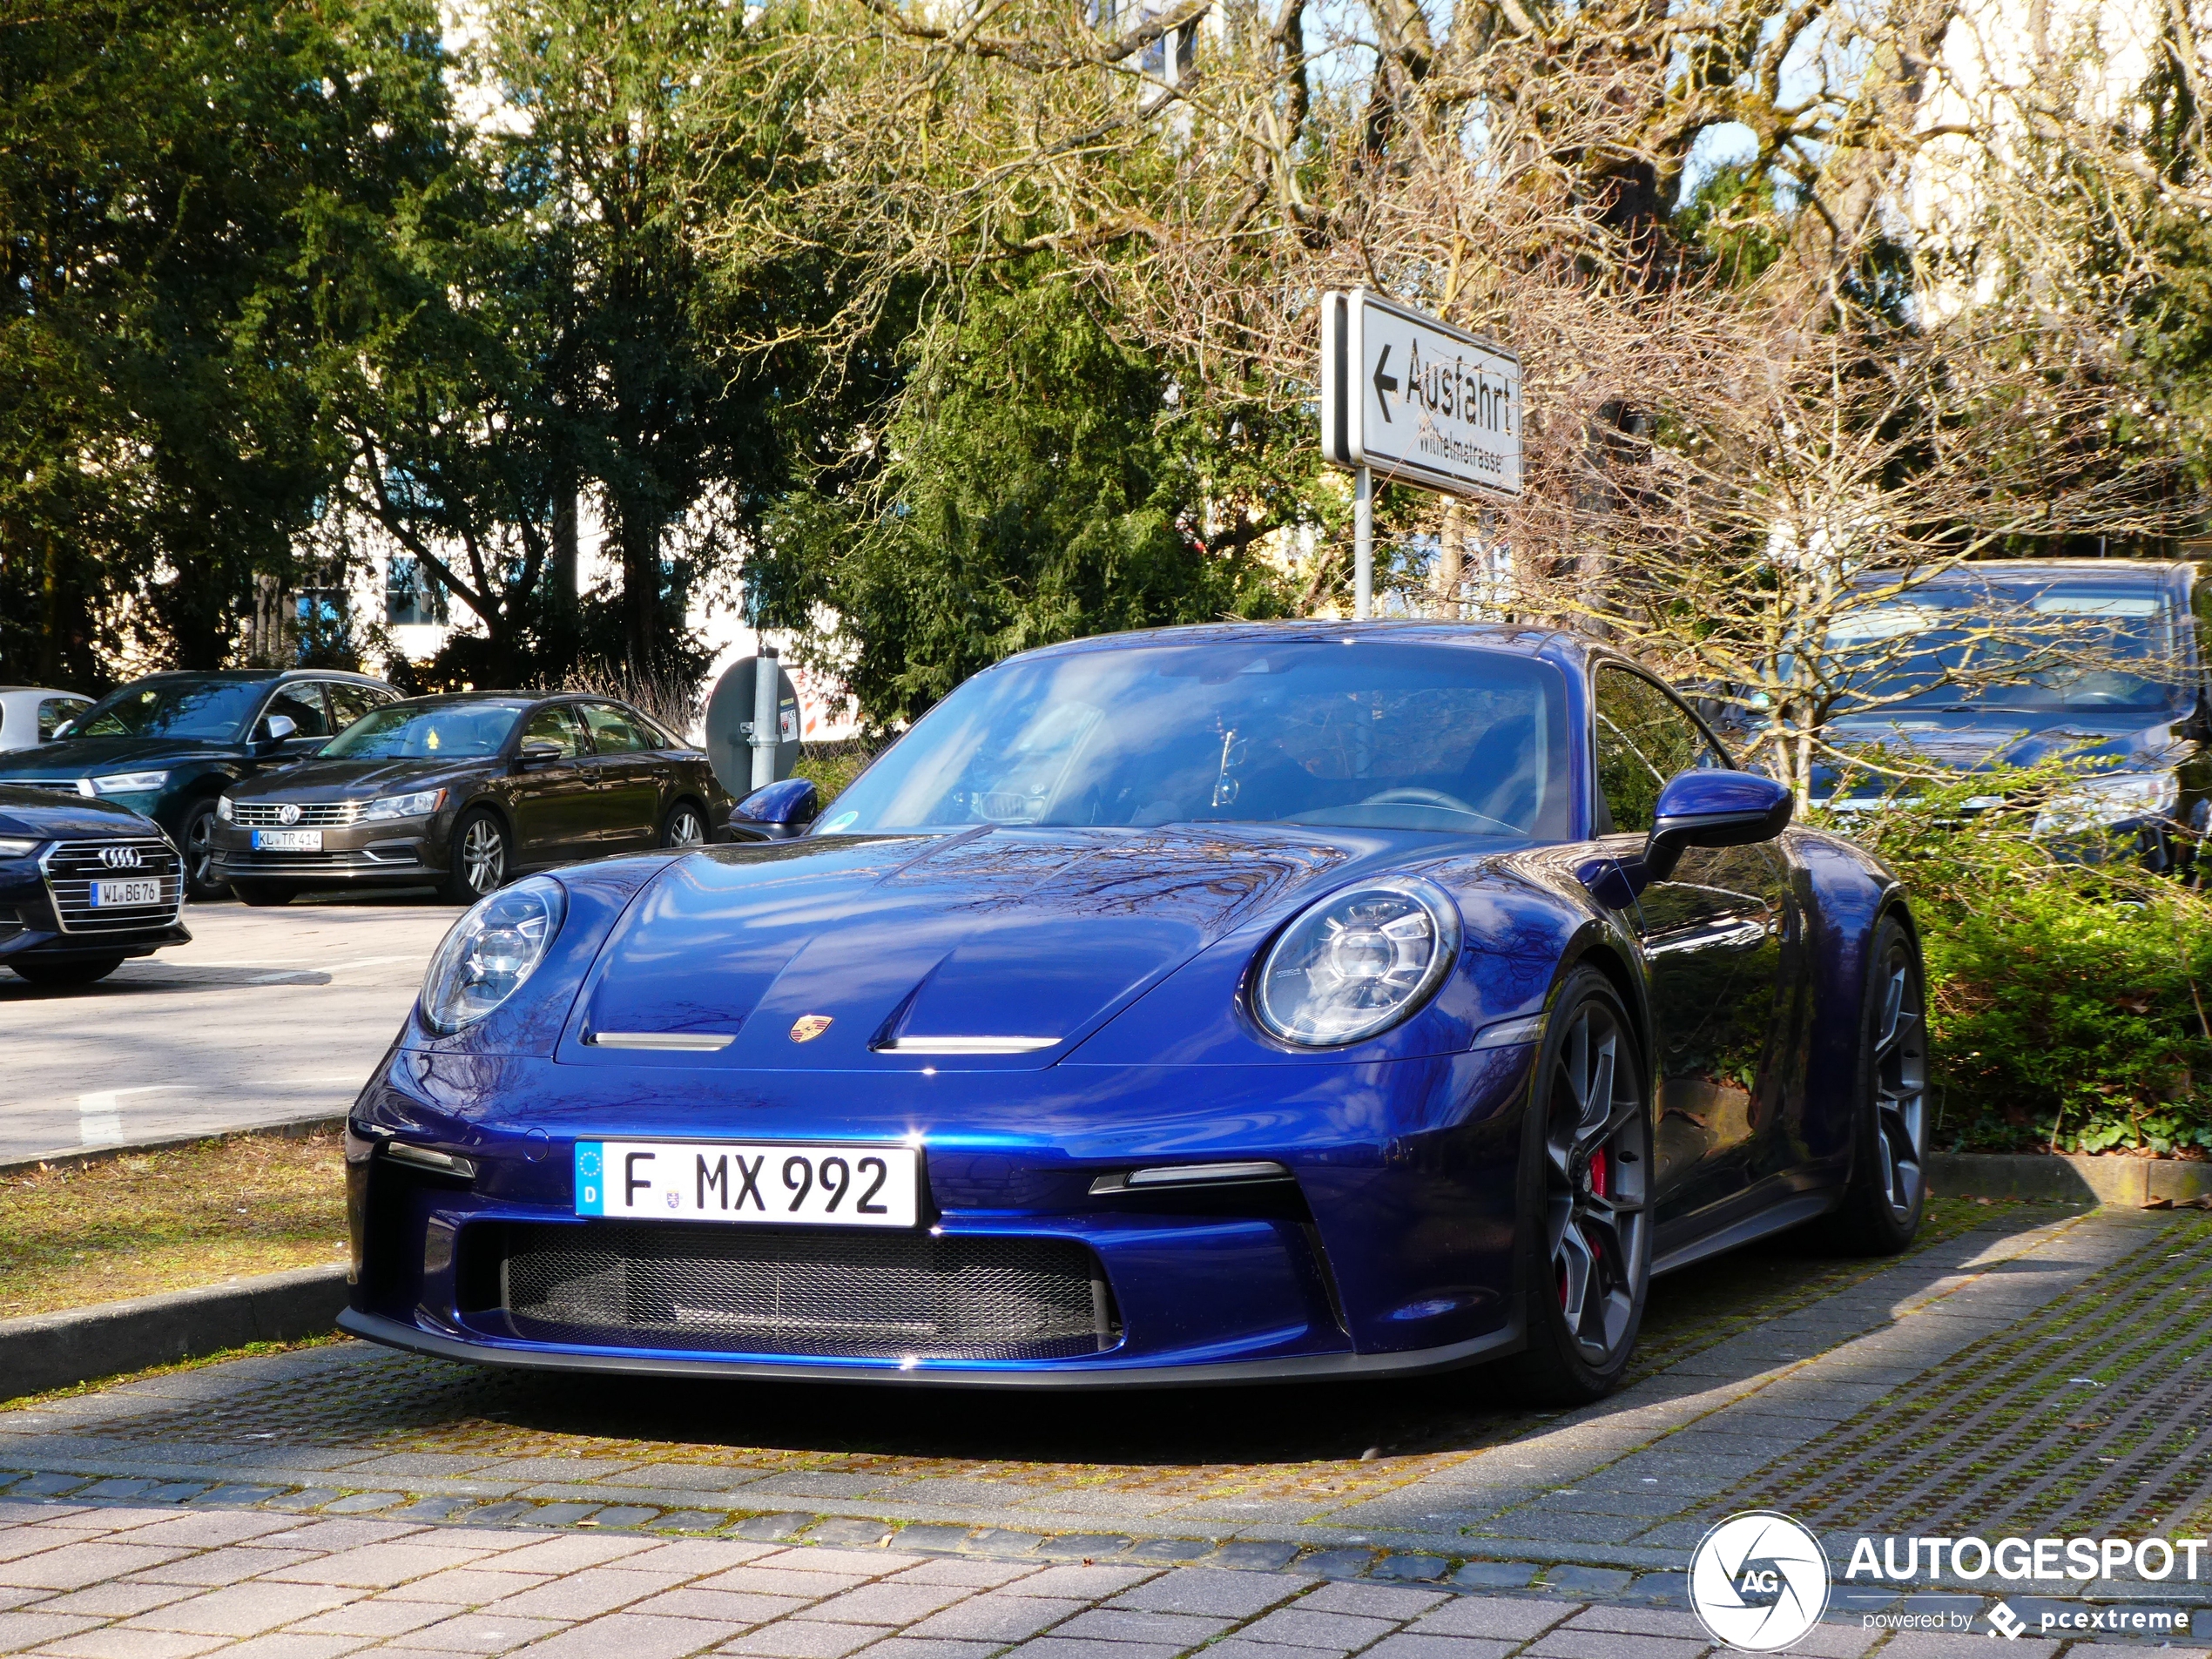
x=829 y=1295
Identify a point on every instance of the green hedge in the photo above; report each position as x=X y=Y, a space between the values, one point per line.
x=2067 y=987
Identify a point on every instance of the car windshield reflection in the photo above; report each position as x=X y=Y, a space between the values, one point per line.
x=434 y=732
x=1307 y=732
x=2084 y=646
x=207 y=710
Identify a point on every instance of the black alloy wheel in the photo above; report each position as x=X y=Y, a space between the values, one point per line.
x=196 y=841
x=1586 y=1209
x=686 y=827
x=477 y=864
x=70 y=970
x=261 y=894
x=1888 y=1190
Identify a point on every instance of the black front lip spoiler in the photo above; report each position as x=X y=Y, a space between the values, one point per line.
x=1301 y=1368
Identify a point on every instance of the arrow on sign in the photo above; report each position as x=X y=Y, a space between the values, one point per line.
x=1383 y=382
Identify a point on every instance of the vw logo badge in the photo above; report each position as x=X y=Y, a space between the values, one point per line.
x=120 y=858
x=288 y=813
x=1759 y=1580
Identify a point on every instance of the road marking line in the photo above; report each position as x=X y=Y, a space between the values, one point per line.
x=99 y=1114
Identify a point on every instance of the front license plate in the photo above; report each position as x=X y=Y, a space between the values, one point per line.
x=818 y=1186
x=287 y=840
x=126 y=893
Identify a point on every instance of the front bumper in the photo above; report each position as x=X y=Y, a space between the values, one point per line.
x=401 y=852
x=47 y=910
x=1392 y=1255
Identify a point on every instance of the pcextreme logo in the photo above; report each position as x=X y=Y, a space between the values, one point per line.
x=1759 y=1582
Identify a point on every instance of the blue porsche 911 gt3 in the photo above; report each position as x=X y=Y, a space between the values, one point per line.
x=1210 y=1005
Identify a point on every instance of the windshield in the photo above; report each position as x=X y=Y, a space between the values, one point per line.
x=2053 y=646
x=213 y=711
x=1281 y=732
x=431 y=731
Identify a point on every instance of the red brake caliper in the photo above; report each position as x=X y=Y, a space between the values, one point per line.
x=1601 y=1172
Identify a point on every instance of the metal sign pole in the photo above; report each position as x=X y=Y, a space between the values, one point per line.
x=766 y=678
x=1363 y=546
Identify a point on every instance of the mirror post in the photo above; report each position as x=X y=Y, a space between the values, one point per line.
x=1362 y=545
x=765 y=683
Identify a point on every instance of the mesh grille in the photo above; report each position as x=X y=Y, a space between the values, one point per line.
x=833 y=1295
x=73 y=867
x=311 y=814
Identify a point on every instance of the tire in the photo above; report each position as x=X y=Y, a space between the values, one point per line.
x=196 y=840
x=79 y=970
x=1585 y=1230
x=686 y=825
x=478 y=860
x=1887 y=1193
x=264 y=894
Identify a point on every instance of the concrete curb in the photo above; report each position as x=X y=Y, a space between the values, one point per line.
x=47 y=1351
x=2129 y=1182
x=289 y=1128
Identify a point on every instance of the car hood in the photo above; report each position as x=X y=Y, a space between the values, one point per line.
x=1983 y=739
x=329 y=779
x=918 y=941
x=86 y=757
x=49 y=817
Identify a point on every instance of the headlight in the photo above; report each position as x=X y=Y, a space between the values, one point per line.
x=491 y=951
x=223 y=809
x=12 y=849
x=421 y=804
x=1358 y=963
x=122 y=783
x=2115 y=798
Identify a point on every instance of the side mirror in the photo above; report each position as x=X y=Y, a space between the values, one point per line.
x=277 y=727
x=783 y=810
x=538 y=751
x=1713 y=809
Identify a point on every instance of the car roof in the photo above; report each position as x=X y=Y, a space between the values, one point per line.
x=1518 y=638
x=250 y=676
x=2135 y=571
x=512 y=699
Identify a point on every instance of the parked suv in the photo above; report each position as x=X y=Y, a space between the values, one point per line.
x=464 y=791
x=169 y=744
x=2135 y=698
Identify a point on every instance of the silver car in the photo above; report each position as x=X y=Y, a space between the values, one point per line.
x=29 y=714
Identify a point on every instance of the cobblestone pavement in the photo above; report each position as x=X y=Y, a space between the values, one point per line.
x=2034 y=1370
x=208 y=1037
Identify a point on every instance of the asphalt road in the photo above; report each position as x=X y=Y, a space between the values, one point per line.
x=267 y=1017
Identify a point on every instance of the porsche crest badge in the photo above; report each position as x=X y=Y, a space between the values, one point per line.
x=807 y=1027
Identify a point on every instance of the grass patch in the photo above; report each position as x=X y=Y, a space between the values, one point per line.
x=169 y=1220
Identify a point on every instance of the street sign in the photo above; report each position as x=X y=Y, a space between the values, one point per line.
x=1416 y=400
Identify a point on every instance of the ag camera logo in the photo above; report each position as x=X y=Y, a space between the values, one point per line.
x=1759 y=1582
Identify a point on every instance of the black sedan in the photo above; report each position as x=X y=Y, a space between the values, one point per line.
x=464 y=791
x=83 y=884
x=166 y=746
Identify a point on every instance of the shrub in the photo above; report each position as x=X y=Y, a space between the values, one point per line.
x=2067 y=987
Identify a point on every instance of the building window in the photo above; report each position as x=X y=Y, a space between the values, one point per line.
x=413 y=597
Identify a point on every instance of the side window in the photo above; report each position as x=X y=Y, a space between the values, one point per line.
x=556 y=724
x=349 y=702
x=302 y=700
x=613 y=732
x=1643 y=739
x=54 y=711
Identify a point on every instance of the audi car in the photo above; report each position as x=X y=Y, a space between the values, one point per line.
x=463 y=792
x=83 y=885
x=168 y=746
x=1213 y=1005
